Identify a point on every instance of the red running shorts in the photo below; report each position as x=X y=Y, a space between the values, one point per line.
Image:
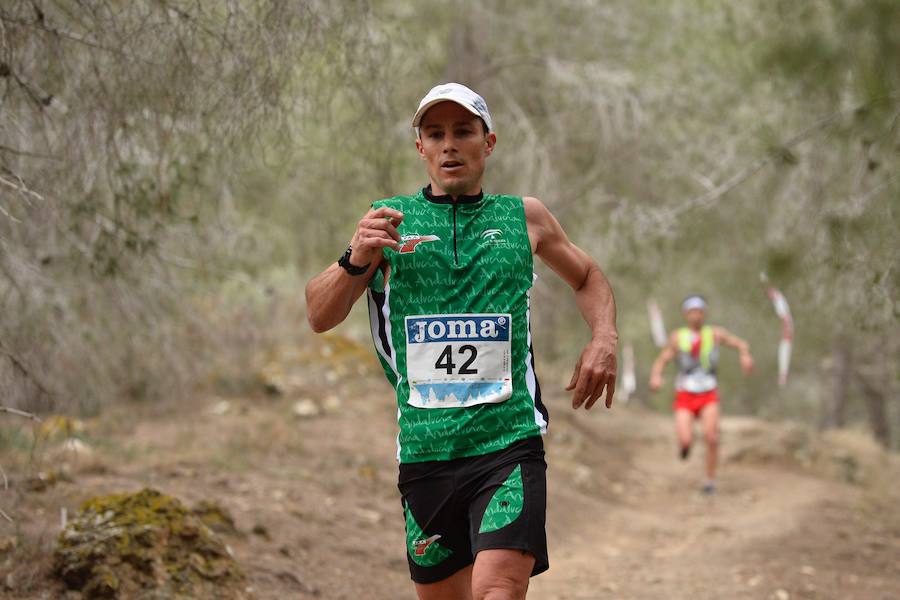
x=694 y=402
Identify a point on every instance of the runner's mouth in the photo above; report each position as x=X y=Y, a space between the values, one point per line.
x=451 y=164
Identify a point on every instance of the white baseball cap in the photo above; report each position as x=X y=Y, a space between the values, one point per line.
x=454 y=92
x=692 y=302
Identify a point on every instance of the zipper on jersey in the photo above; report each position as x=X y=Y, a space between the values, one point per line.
x=455 y=255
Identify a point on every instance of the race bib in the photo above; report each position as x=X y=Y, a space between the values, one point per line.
x=696 y=382
x=458 y=360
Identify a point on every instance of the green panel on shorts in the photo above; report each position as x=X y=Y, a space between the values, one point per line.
x=506 y=504
x=423 y=549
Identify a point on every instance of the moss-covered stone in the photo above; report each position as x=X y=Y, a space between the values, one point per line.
x=215 y=517
x=145 y=545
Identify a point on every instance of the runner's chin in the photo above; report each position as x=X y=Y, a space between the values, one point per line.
x=454 y=180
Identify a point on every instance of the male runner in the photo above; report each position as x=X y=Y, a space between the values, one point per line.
x=696 y=388
x=449 y=271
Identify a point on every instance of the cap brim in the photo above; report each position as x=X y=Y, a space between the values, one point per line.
x=693 y=306
x=417 y=118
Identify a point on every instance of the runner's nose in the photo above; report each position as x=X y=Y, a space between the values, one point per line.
x=449 y=144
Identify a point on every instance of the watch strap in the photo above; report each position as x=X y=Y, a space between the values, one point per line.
x=344 y=262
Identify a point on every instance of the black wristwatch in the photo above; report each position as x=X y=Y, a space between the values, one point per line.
x=344 y=262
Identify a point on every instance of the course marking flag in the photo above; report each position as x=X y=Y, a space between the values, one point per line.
x=787 y=332
x=657 y=327
x=629 y=381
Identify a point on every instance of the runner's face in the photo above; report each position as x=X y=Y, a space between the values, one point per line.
x=454 y=147
x=695 y=317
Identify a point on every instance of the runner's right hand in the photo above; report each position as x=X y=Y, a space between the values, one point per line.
x=655 y=382
x=746 y=363
x=375 y=231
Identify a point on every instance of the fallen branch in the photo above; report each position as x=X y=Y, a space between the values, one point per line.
x=21 y=413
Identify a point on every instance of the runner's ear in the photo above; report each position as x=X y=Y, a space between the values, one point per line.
x=490 y=140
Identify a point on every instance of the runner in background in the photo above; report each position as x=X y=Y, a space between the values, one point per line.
x=696 y=348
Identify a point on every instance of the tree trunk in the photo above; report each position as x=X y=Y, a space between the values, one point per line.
x=835 y=410
x=875 y=405
x=875 y=383
x=465 y=63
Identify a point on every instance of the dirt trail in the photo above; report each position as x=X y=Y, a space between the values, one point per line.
x=769 y=532
x=315 y=500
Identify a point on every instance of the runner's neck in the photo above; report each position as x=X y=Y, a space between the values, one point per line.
x=448 y=199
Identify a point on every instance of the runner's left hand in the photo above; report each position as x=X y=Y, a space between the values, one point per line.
x=594 y=371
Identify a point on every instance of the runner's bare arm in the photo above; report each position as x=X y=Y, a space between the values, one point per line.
x=667 y=354
x=723 y=336
x=596 y=367
x=331 y=294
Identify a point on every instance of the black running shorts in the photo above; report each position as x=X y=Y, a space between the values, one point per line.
x=456 y=508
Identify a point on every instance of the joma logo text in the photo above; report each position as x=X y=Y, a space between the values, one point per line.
x=454 y=330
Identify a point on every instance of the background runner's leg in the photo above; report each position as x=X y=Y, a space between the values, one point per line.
x=456 y=587
x=501 y=574
x=684 y=424
x=710 y=418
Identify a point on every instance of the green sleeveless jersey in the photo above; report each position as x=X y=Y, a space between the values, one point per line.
x=452 y=326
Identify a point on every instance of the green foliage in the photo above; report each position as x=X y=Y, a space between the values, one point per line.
x=128 y=127
x=228 y=151
x=839 y=46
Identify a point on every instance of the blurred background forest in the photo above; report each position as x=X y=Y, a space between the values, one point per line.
x=172 y=172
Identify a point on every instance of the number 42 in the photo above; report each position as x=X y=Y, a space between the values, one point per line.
x=445 y=360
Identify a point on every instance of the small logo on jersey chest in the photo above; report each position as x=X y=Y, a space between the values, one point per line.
x=408 y=243
x=493 y=237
